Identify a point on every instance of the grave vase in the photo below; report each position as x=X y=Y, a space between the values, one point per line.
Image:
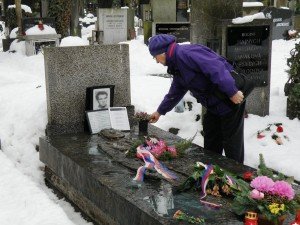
x=143 y=127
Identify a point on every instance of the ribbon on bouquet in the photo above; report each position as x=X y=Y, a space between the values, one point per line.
x=209 y=169
x=150 y=163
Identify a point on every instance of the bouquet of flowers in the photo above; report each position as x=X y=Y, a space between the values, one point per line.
x=270 y=199
x=140 y=116
x=179 y=215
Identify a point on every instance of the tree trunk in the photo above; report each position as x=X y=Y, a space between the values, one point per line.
x=45 y=8
x=19 y=16
x=75 y=28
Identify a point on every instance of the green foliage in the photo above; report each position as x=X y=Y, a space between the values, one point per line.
x=297 y=8
x=61 y=11
x=11 y=17
x=181 y=146
x=131 y=153
x=295 y=91
x=263 y=170
x=166 y=156
x=294 y=64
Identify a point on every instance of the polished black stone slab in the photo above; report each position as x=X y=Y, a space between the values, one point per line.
x=104 y=189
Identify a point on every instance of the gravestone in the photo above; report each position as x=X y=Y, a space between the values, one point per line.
x=180 y=30
x=163 y=11
x=35 y=43
x=96 y=176
x=248 y=46
x=207 y=16
x=70 y=70
x=116 y=24
x=146 y=12
x=182 y=8
x=282 y=21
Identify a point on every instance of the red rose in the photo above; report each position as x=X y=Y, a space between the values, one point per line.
x=279 y=129
x=248 y=176
x=260 y=135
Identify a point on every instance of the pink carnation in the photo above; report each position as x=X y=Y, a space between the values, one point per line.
x=255 y=194
x=262 y=183
x=283 y=189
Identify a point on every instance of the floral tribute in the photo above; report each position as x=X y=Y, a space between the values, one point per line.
x=268 y=194
x=142 y=116
x=263 y=192
x=159 y=148
x=212 y=180
x=179 y=215
x=275 y=131
x=269 y=198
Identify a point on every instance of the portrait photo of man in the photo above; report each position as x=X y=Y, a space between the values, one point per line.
x=101 y=99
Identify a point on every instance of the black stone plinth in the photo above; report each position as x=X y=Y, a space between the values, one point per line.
x=104 y=189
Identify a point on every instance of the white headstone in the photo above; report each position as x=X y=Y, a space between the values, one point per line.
x=113 y=23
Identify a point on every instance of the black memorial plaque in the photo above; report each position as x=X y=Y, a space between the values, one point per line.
x=180 y=30
x=282 y=21
x=248 y=49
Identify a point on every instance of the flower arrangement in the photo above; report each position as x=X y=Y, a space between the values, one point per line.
x=220 y=182
x=142 y=116
x=179 y=215
x=267 y=197
x=275 y=131
x=159 y=148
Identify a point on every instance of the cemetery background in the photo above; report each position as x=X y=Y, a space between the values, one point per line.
x=24 y=197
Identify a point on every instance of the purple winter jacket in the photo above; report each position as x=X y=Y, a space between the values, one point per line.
x=197 y=69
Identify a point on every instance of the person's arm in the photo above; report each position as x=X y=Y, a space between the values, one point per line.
x=170 y=100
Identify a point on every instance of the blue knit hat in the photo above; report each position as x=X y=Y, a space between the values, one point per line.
x=159 y=44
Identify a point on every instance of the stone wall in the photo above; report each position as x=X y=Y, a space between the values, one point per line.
x=206 y=16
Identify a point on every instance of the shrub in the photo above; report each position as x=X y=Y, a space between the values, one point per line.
x=61 y=11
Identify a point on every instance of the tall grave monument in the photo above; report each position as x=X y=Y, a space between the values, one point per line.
x=206 y=16
x=248 y=47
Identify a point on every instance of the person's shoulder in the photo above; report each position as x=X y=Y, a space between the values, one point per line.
x=186 y=48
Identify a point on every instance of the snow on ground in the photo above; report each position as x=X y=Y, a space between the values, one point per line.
x=23 y=118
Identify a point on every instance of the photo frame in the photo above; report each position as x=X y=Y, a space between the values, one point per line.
x=99 y=97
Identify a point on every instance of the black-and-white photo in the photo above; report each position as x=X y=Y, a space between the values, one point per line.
x=99 y=97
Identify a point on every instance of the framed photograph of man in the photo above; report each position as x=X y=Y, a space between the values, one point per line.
x=99 y=97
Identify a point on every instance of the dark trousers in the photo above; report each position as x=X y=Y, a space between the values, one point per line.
x=225 y=132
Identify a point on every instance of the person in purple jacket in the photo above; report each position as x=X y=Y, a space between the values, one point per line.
x=201 y=71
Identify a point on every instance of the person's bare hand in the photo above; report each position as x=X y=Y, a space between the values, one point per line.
x=237 y=98
x=154 y=117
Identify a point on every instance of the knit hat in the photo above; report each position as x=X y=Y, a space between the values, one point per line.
x=159 y=44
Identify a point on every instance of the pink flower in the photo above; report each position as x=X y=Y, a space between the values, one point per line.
x=172 y=151
x=283 y=189
x=262 y=183
x=255 y=194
